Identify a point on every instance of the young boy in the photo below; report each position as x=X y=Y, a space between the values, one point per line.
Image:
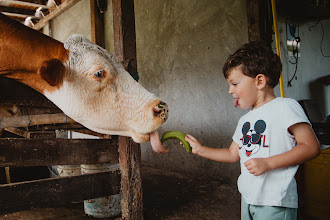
x=270 y=141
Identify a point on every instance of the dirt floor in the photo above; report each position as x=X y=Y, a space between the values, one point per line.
x=167 y=195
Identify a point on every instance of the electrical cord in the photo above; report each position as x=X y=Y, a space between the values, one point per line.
x=295 y=43
x=315 y=25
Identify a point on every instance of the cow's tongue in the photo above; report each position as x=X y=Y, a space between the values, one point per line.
x=235 y=103
x=156 y=144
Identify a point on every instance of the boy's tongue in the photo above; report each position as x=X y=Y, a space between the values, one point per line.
x=235 y=103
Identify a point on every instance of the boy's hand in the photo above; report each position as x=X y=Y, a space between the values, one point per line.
x=195 y=145
x=257 y=166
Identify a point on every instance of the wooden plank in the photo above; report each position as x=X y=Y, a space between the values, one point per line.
x=259 y=20
x=31 y=120
x=97 y=24
x=44 y=152
x=55 y=13
x=23 y=16
x=57 y=191
x=40 y=101
x=131 y=181
x=130 y=152
x=124 y=33
x=21 y=4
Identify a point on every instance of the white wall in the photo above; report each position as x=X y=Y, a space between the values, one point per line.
x=311 y=63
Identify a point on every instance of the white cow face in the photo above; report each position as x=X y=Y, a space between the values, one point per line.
x=97 y=92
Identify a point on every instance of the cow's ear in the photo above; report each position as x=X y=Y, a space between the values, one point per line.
x=52 y=71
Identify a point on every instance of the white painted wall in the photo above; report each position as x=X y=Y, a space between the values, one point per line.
x=311 y=63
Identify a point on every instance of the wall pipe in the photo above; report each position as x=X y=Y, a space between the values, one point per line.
x=278 y=49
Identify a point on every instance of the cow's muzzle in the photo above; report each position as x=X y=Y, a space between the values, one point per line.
x=161 y=111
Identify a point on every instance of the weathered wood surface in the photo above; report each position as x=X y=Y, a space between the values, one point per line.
x=31 y=120
x=55 y=13
x=131 y=181
x=97 y=21
x=124 y=33
x=57 y=191
x=44 y=152
x=259 y=20
x=27 y=101
x=130 y=152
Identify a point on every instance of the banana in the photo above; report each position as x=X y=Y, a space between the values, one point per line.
x=178 y=135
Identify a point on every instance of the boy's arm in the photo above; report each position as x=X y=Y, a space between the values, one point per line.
x=225 y=155
x=307 y=148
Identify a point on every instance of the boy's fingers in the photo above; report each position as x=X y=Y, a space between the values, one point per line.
x=190 y=137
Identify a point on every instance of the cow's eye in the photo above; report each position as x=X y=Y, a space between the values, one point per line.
x=99 y=74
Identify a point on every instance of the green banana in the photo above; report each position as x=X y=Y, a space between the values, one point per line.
x=178 y=135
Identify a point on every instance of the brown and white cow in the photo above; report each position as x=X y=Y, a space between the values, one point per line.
x=86 y=82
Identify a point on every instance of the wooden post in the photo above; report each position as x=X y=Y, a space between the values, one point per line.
x=129 y=152
x=259 y=20
x=131 y=182
x=97 y=23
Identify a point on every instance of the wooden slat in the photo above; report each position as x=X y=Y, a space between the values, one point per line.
x=23 y=16
x=55 y=13
x=31 y=120
x=44 y=152
x=21 y=4
x=40 y=101
x=57 y=191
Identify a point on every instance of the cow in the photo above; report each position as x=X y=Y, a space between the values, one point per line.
x=86 y=82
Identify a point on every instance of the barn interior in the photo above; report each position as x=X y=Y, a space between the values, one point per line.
x=176 y=50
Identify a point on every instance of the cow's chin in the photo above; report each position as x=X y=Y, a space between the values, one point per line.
x=140 y=137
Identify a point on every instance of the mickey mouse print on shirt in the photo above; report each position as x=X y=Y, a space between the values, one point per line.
x=253 y=138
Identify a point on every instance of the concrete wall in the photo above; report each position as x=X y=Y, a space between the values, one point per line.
x=181 y=47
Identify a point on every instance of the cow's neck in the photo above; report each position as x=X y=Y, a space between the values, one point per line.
x=23 y=50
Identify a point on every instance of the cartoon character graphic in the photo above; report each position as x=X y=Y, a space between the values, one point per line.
x=252 y=137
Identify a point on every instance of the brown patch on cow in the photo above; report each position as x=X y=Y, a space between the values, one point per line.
x=52 y=71
x=23 y=52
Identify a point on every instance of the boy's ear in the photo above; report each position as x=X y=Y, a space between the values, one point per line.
x=261 y=81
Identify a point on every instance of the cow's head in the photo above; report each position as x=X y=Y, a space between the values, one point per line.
x=93 y=88
x=83 y=80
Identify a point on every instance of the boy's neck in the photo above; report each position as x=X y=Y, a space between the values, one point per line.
x=264 y=96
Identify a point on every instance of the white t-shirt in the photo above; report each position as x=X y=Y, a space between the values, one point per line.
x=262 y=133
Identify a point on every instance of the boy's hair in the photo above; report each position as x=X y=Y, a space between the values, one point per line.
x=255 y=58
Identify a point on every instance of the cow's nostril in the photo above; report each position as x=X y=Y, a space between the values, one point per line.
x=161 y=110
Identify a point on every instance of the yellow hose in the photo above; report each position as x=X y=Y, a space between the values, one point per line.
x=278 y=50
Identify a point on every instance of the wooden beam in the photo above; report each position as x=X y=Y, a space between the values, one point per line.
x=259 y=20
x=57 y=191
x=130 y=152
x=21 y=4
x=131 y=181
x=31 y=120
x=55 y=13
x=124 y=33
x=38 y=100
x=22 y=16
x=45 y=152
x=97 y=24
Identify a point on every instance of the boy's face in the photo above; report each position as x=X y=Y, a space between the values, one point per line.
x=243 y=88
